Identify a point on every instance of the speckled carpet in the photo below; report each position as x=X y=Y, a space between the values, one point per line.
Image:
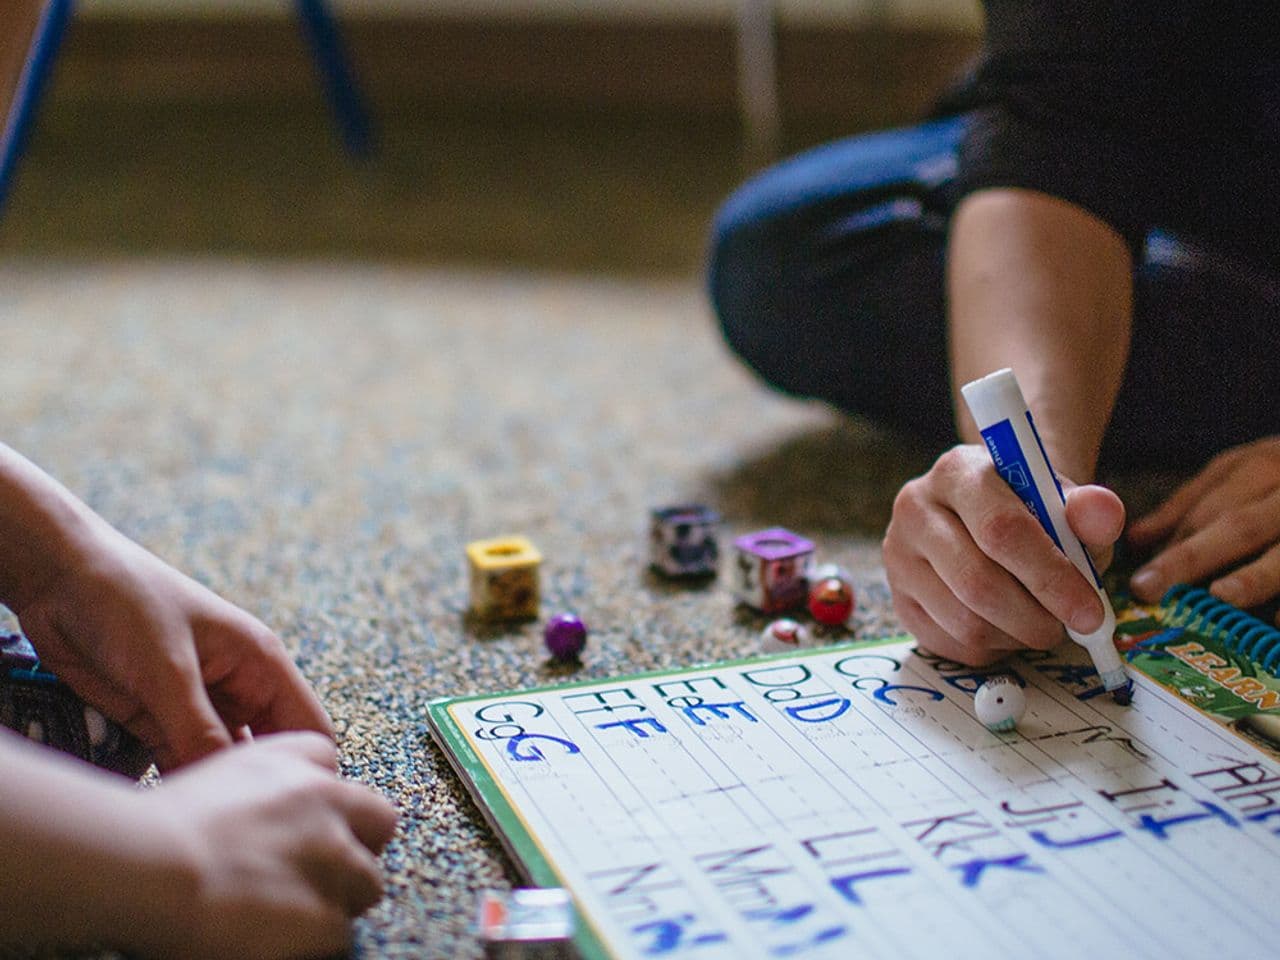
x=317 y=443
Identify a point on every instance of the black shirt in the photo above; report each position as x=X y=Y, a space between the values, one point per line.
x=1148 y=114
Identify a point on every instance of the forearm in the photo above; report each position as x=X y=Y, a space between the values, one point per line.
x=80 y=861
x=1042 y=286
x=43 y=527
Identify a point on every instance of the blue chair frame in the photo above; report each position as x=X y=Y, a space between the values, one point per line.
x=320 y=28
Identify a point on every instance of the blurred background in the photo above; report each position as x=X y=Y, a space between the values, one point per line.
x=580 y=135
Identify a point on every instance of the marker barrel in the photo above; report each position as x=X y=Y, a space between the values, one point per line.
x=1005 y=423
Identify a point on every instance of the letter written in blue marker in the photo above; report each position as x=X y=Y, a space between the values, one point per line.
x=721 y=711
x=813 y=712
x=636 y=726
x=533 y=753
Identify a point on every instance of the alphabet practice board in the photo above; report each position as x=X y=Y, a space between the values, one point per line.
x=845 y=802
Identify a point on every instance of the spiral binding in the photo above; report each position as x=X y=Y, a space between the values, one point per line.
x=1240 y=632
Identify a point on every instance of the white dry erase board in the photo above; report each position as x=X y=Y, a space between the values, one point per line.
x=844 y=802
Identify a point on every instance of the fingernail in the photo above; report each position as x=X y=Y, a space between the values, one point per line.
x=1087 y=618
x=1146 y=582
x=1228 y=589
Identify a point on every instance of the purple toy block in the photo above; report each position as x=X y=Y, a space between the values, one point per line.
x=772 y=569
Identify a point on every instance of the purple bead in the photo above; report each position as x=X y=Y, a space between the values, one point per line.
x=566 y=636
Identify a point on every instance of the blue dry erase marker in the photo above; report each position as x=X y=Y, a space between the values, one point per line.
x=1002 y=416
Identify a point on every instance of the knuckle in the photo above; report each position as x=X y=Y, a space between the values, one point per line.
x=974 y=587
x=1250 y=581
x=971 y=632
x=904 y=608
x=1243 y=526
x=1185 y=556
x=902 y=564
x=332 y=791
x=909 y=500
x=309 y=787
x=318 y=745
x=331 y=841
x=950 y=467
x=1044 y=636
x=1222 y=458
x=999 y=531
x=889 y=544
x=911 y=615
x=268 y=643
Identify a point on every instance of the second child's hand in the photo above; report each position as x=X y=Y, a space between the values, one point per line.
x=182 y=669
x=1222 y=524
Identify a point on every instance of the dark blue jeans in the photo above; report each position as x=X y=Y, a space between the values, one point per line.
x=827 y=275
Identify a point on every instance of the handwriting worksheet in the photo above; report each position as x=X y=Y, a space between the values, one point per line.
x=845 y=802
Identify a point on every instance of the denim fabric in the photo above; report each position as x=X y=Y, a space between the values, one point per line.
x=827 y=275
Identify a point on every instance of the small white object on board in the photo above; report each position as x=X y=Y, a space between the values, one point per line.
x=1000 y=703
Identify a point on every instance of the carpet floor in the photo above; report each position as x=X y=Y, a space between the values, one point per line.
x=317 y=442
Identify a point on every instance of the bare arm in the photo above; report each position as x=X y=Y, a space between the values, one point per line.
x=42 y=526
x=147 y=646
x=1041 y=286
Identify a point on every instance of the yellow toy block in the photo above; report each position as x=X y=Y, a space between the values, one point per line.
x=504 y=578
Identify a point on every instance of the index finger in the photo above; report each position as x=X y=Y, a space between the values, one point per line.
x=185 y=718
x=1164 y=519
x=295 y=705
x=1006 y=532
x=260 y=686
x=1232 y=538
x=371 y=817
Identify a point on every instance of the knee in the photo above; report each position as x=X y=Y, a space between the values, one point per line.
x=821 y=244
x=749 y=270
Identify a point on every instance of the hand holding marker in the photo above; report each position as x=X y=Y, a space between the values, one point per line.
x=1002 y=416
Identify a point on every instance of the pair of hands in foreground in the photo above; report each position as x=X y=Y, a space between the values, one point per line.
x=262 y=849
x=974 y=577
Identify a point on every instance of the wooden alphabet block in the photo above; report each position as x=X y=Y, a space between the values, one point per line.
x=504 y=578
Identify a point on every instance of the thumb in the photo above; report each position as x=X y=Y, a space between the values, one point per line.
x=1096 y=516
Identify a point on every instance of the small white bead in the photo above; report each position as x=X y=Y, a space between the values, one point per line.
x=1000 y=703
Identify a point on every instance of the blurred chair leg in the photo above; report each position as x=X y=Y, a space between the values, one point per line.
x=341 y=89
x=34 y=78
x=758 y=79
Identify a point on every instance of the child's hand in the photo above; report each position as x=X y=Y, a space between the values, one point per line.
x=973 y=574
x=274 y=854
x=1225 y=523
x=182 y=669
